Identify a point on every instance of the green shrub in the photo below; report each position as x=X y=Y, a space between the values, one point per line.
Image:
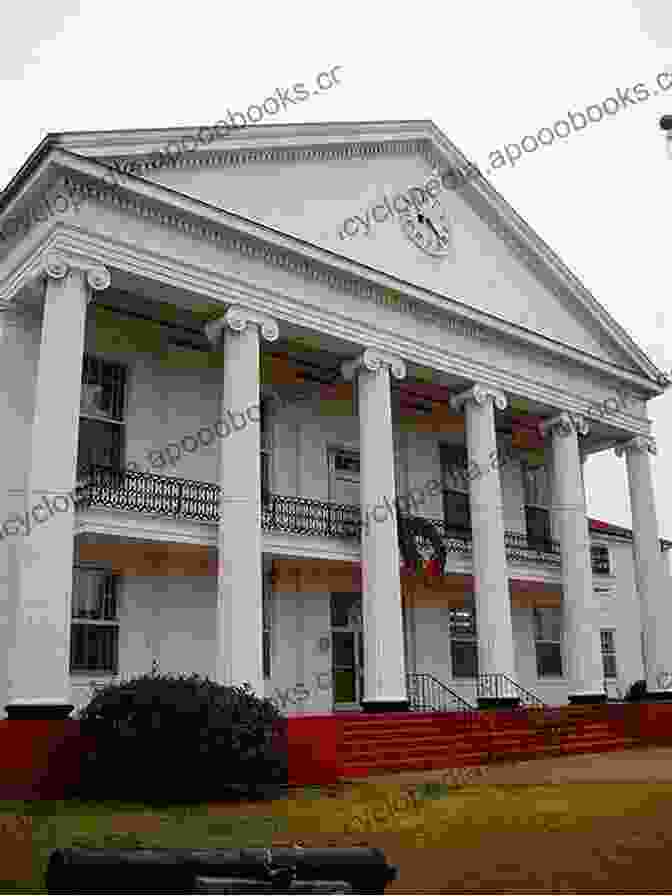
x=182 y=738
x=636 y=691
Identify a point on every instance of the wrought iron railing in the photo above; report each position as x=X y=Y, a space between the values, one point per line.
x=304 y=516
x=427 y=694
x=187 y=498
x=499 y=686
x=148 y=493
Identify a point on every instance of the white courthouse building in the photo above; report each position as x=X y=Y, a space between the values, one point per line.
x=237 y=352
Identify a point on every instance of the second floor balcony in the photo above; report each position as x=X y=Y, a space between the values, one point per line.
x=186 y=499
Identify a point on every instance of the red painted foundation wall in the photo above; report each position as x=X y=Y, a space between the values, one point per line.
x=42 y=759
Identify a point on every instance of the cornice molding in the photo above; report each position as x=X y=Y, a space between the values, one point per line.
x=479 y=395
x=374 y=361
x=644 y=444
x=223 y=158
x=237 y=319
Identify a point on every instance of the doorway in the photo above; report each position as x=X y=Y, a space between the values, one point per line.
x=347 y=652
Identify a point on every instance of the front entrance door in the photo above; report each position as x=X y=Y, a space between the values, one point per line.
x=347 y=651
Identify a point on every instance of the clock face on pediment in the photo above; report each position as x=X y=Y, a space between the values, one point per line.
x=428 y=227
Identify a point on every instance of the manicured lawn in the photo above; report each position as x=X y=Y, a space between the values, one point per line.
x=572 y=837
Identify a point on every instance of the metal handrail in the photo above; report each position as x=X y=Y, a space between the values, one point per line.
x=485 y=690
x=425 y=679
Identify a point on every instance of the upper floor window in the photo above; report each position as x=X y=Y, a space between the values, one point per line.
x=599 y=555
x=102 y=409
x=456 y=509
x=103 y=389
x=344 y=474
x=537 y=502
x=266 y=427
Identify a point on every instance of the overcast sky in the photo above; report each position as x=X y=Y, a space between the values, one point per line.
x=487 y=73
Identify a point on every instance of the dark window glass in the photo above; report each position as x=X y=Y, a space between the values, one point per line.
x=608 y=653
x=100 y=444
x=538 y=528
x=463 y=642
x=103 y=388
x=548 y=641
x=456 y=510
x=549 y=659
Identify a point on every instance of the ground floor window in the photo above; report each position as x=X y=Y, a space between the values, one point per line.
x=548 y=641
x=463 y=641
x=94 y=634
x=266 y=635
x=608 y=645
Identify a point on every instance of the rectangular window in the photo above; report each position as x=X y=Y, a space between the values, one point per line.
x=267 y=628
x=94 y=637
x=456 y=509
x=537 y=502
x=103 y=389
x=548 y=641
x=599 y=555
x=344 y=472
x=608 y=645
x=102 y=410
x=266 y=450
x=463 y=641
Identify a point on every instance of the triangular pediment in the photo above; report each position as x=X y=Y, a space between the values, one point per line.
x=345 y=188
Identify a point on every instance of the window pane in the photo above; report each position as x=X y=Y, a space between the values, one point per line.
x=464 y=656
x=94 y=648
x=454 y=467
x=100 y=444
x=549 y=659
x=103 y=388
x=609 y=664
x=538 y=525
x=456 y=510
x=463 y=622
x=93 y=594
x=547 y=623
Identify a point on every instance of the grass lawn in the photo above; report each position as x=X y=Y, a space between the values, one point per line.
x=571 y=837
x=30 y=831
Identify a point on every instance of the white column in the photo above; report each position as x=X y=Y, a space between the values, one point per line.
x=496 y=654
x=239 y=656
x=384 y=670
x=39 y=663
x=648 y=562
x=580 y=610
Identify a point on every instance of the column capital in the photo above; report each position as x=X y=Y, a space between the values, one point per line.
x=57 y=266
x=479 y=394
x=237 y=318
x=638 y=443
x=564 y=425
x=372 y=360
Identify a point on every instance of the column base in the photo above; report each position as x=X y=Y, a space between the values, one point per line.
x=47 y=711
x=582 y=699
x=656 y=697
x=498 y=702
x=385 y=706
